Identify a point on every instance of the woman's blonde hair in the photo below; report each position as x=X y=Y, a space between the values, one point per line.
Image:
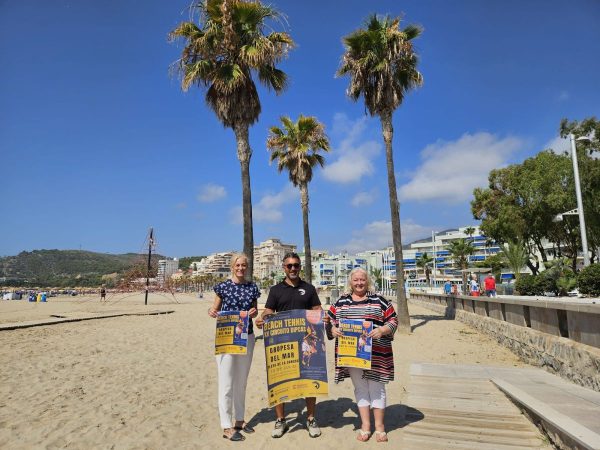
x=356 y=270
x=234 y=259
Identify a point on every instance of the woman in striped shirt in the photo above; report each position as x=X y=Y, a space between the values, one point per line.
x=369 y=385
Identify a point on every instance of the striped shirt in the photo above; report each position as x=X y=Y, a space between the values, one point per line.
x=379 y=311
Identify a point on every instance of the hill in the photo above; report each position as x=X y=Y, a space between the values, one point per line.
x=64 y=268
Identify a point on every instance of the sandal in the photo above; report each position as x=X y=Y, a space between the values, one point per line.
x=245 y=428
x=381 y=436
x=363 y=436
x=235 y=436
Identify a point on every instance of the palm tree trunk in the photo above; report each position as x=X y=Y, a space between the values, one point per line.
x=244 y=154
x=307 y=252
x=402 y=306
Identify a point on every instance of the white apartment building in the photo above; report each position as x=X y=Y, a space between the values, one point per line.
x=268 y=256
x=166 y=268
x=217 y=264
x=332 y=270
x=438 y=247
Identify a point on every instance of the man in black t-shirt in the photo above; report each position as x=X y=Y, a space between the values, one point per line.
x=292 y=293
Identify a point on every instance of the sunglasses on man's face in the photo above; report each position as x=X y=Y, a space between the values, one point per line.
x=292 y=266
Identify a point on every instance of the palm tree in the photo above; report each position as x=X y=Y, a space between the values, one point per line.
x=377 y=275
x=460 y=250
x=470 y=231
x=222 y=53
x=296 y=148
x=516 y=256
x=424 y=261
x=382 y=66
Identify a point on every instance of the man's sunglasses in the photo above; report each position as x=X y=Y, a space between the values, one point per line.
x=292 y=266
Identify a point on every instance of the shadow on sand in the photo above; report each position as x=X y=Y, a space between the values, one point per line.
x=426 y=318
x=333 y=414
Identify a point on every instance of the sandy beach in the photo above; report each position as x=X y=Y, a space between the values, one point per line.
x=150 y=381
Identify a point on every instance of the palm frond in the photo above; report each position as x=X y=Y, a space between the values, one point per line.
x=225 y=49
x=273 y=78
x=381 y=63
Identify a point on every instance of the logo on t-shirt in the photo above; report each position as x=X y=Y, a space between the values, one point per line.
x=302 y=291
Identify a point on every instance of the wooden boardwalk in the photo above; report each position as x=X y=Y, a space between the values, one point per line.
x=465 y=413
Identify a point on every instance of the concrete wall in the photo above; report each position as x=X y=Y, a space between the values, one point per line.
x=561 y=337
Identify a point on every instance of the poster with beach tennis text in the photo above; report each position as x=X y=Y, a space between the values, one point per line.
x=354 y=347
x=231 y=334
x=295 y=355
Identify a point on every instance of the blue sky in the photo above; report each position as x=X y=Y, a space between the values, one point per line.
x=98 y=142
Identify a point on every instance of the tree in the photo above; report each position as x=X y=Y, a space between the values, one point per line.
x=460 y=249
x=377 y=275
x=589 y=171
x=495 y=262
x=521 y=202
x=516 y=256
x=295 y=147
x=470 y=231
x=589 y=280
x=424 y=262
x=382 y=65
x=222 y=53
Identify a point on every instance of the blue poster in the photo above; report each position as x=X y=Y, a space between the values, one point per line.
x=295 y=355
x=354 y=347
x=231 y=334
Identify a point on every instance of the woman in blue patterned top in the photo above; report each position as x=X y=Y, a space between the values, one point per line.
x=235 y=294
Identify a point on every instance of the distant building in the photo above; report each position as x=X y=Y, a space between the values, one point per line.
x=218 y=265
x=268 y=256
x=333 y=270
x=166 y=268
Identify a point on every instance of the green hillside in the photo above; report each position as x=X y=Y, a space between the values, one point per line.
x=64 y=268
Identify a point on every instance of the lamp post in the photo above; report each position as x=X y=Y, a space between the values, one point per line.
x=586 y=258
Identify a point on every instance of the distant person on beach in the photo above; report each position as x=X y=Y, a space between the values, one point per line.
x=490 y=285
x=474 y=286
x=102 y=294
x=447 y=287
x=369 y=385
x=292 y=293
x=235 y=294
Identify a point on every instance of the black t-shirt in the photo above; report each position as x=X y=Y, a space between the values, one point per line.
x=285 y=297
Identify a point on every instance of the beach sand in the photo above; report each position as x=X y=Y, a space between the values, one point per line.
x=150 y=382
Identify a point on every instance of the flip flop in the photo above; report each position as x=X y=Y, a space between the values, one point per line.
x=246 y=428
x=363 y=436
x=381 y=436
x=236 y=436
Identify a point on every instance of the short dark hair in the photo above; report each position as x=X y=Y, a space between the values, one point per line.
x=291 y=255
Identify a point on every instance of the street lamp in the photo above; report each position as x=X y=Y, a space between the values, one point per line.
x=586 y=258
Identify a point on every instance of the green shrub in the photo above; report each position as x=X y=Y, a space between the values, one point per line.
x=529 y=285
x=588 y=280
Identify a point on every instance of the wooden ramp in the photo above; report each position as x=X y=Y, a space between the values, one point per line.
x=465 y=413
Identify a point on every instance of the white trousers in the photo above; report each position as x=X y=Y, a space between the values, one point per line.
x=367 y=392
x=233 y=377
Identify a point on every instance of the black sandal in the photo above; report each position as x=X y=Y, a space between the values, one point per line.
x=236 y=436
x=246 y=428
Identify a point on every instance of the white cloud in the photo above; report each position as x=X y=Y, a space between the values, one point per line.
x=211 y=193
x=181 y=205
x=268 y=208
x=451 y=170
x=363 y=199
x=563 y=145
x=355 y=157
x=559 y=145
x=378 y=235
